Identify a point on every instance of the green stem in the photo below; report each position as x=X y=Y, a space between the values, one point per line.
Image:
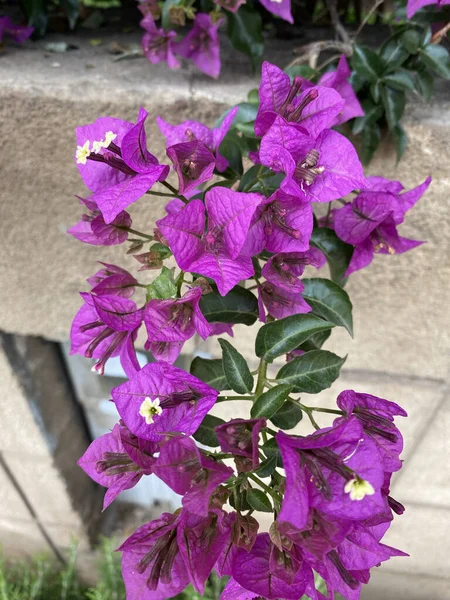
x=162 y=194
x=262 y=371
x=331 y=411
x=174 y=191
x=180 y=280
x=226 y=398
x=136 y=232
x=265 y=487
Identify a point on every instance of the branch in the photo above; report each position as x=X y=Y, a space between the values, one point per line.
x=336 y=22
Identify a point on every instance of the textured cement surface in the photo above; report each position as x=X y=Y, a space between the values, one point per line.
x=401 y=345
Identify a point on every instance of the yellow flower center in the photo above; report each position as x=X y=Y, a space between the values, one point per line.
x=149 y=409
x=358 y=489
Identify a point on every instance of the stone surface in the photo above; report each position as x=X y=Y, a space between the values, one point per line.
x=22 y=538
x=386 y=585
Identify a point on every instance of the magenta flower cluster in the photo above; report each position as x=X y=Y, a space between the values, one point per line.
x=230 y=235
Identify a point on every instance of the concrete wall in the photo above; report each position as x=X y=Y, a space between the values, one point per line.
x=401 y=345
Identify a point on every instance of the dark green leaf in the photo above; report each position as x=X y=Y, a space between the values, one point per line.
x=411 y=41
x=241 y=499
x=238 y=306
x=400 y=80
x=270 y=448
x=258 y=500
x=245 y=32
x=329 y=301
x=400 y=140
x=371 y=137
x=304 y=71
x=36 y=11
x=71 y=8
x=313 y=372
x=267 y=467
x=394 y=105
x=236 y=369
x=247 y=129
x=337 y=252
x=211 y=372
x=270 y=402
x=247 y=112
x=372 y=112
x=425 y=84
x=315 y=342
x=164 y=285
x=205 y=434
x=436 y=57
x=289 y=415
x=375 y=91
x=393 y=53
x=163 y=251
x=280 y=337
x=231 y=151
x=367 y=64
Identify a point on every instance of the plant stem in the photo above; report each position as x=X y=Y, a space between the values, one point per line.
x=174 y=191
x=135 y=232
x=262 y=371
x=162 y=194
x=226 y=398
x=265 y=487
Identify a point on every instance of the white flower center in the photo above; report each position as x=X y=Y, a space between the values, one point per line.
x=84 y=151
x=149 y=409
x=358 y=489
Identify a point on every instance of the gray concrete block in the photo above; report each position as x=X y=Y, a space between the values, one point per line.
x=426 y=475
x=22 y=538
x=385 y=585
x=11 y=504
x=422 y=532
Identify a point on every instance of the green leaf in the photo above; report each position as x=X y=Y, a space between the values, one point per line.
x=267 y=467
x=411 y=41
x=425 y=84
x=36 y=11
x=253 y=96
x=245 y=32
x=270 y=448
x=238 y=306
x=280 y=337
x=270 y=402
x=436 y=57
x=289 y=415
x=393 y=53
x=337 y=252
x=258 y=500
x=304 y=71
x=367 y=64
x=375 y=91
x=246 y=113
x=315 y=342
x=231 y=151
x=394 y=105
x=400 y=140
x=210 y=371
x=236 y=369
x=163 y=251
x=372 y=113
x=329 y=301
x=371 y=137
x=71 y=8
x=313 y=372
x=400 y=80
x=164 y=285
x=241 y=499
x=205 y=434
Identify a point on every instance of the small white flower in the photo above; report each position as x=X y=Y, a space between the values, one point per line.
x=82 y=153
x=149 y=409
x=358 y=489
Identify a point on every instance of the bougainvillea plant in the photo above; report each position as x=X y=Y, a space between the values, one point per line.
x=241 y=240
